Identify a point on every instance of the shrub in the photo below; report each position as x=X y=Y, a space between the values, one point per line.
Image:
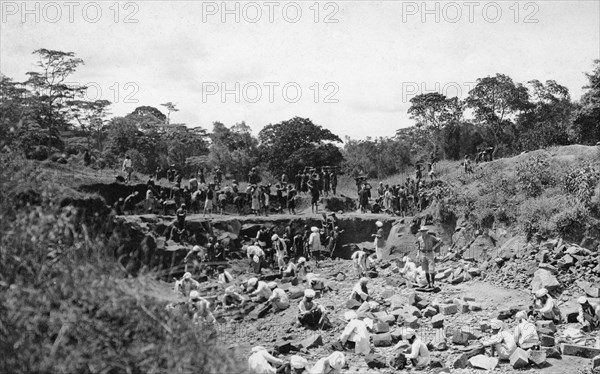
x=535 y=175
x=582 y=181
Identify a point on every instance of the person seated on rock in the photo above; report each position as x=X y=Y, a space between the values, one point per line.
x=260 y=361
x=359 y=260
x=545 y=306
x=186 y=284
x=261 y=293
x=525 y=334
x=224 y=276
x=278 y=298
x=409 y=271
x=589 y=314
x=418 y=353
x=357 y=332
x=302 y=267
x=291 y=269
x=502 y=342
x=421 y=277
x=331 y=364
x=360 y=291
x=231 y=299
x=311 y=314
x=201 y=307
x=298 y=365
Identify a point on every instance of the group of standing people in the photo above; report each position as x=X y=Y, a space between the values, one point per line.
x=400 y=199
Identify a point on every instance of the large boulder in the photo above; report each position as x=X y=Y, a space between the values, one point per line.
x=543 y=278
x=480 y=250
x=512 y=247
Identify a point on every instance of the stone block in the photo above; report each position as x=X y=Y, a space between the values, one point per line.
x=353 y=304
x=437 y=321
x=448 y=309
x=596 y=362
x=283 y=347
x=396 y=335
x=543 y=278
x=483 y=362
x=546 y=340
x=545 y=324
x=537 y=358
x=382 y=340
x=552 y=352
x=296 y=292
x=397 y=302
x=422 y=304
x=375 y=361
x=484 y=325
x=412 y=322
x=474 y=307
x=387 y=293
x=414 y=311
x=579 y=350
x=315 y=340
x=381 y=327
x=413 y=298
x=429 y=312
x=462 y=337
x=461 y=362
x=462 y=306
x=519 y=359
x=260 y=311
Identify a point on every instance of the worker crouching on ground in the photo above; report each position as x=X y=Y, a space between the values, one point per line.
x=356 y=333
x=232 y=299
x=589 y=314
x=278 y=298
x=289 y=270
x=332 y=364
x=311 y=314
x=525 y=335
x=545 y=306
x=298 y=365
x=409 y=271
x=201 y=307
x=260 y=362
x=503 y=342
x=259 y=290
x=360 y=292
x=418 y=353
x=186 y=284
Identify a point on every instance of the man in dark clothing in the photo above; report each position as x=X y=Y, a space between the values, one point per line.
x=333 y=181
x=181 y=214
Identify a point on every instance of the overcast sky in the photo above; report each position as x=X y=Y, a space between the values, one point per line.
x=356 y=68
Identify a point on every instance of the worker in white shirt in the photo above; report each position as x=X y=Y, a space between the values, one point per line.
x=357 y=331
x=546 y=306
x=359 y=260
x=419 y=353
x=127 y=167
x=201 y=307
x=280 y=249
x=291 y=269
x=409 y=270
x=331 y=364
x=298 y=364
x=262 y=292
x=260 y=361
x=278 y=298
x=525 y=334
x=503 y=342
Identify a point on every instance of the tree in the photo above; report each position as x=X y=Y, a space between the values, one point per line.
x=433 y=112
x=50 y=89
x=170 y=108
x=586 y=126
x=234 y=149
x=13 y=108
x=496 y=101
x=90 y=117
x=149 y=110
x=549 y=117
x=288 y=144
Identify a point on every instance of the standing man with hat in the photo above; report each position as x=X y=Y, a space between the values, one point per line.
x=427 y=245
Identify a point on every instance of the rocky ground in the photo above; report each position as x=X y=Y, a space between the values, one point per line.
x=478 y=281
